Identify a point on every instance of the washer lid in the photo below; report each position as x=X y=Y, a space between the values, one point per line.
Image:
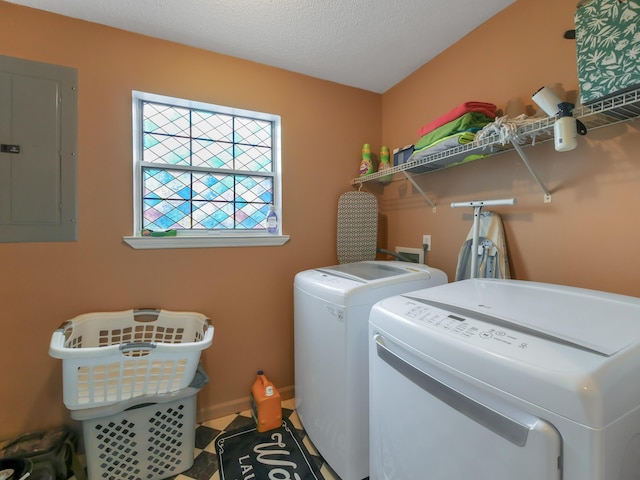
x=598 y=321
x=371 y=270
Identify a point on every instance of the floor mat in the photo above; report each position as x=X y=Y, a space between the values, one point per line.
x=279 y=453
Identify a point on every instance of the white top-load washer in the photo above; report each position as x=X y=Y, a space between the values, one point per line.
x=504 y=380
x=331 y=315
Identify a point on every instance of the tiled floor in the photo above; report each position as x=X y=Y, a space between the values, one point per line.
x=205 y=465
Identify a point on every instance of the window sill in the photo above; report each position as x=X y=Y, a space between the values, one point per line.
x=146 y=243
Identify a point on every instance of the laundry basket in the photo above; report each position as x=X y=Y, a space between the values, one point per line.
x=109 y=357
x=152 y=440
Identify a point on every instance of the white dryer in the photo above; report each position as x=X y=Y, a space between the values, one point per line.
x=504 y=380
x=331 y=314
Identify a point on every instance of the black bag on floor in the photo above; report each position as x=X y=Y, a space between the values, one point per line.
x=51 y=453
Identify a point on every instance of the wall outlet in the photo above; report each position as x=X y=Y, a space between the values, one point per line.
x=426 y=242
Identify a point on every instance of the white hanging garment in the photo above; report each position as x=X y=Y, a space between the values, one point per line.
x=492 y=250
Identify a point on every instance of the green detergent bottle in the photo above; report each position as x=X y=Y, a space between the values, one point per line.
x=385 y=164
x=366 y=165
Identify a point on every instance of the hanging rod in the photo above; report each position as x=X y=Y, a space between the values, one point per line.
x=484 y=203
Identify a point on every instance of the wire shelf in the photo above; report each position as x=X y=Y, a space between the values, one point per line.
x=619 y=108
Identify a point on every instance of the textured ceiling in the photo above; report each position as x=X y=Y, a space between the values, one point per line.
x=370 y=44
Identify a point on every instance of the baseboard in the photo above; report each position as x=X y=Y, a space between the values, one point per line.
x=234 y=406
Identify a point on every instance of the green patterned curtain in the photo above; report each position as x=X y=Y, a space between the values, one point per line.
x=608 y=47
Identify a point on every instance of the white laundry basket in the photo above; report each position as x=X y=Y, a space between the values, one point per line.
x=151 y=440
x=109 y=357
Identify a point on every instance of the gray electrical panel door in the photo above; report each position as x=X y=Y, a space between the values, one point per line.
x=38 y=150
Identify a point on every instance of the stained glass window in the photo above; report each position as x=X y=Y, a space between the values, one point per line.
x=203 y=167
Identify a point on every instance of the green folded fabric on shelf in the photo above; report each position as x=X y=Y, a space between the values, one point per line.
x=460 y=138
x=471 y=121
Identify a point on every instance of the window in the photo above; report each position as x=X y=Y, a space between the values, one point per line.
x=204 y=175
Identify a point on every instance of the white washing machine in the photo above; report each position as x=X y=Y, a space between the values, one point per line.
x=331 y=312
x=503 y=380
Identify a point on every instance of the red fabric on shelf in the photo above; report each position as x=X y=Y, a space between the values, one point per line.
x=487 y=109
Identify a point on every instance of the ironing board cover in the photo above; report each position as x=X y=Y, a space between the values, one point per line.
x=492 y=250
x=357 y=227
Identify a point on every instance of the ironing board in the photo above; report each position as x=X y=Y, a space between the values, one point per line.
x=484 y=252
x=357 y=227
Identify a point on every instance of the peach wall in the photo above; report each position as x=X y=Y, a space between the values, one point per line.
x=584 y=237
x=587 y=235
x=247 y=292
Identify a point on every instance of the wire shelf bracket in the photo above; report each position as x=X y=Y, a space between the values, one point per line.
x=417 y=187
x=525 y=160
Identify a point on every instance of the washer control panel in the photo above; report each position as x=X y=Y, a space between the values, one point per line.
x=464 y=326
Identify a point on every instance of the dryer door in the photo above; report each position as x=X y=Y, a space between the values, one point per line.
x=429 y=423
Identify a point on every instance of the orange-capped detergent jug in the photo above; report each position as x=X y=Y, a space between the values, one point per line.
x=265 y=404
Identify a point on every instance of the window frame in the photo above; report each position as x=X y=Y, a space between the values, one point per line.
x=201 y=238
